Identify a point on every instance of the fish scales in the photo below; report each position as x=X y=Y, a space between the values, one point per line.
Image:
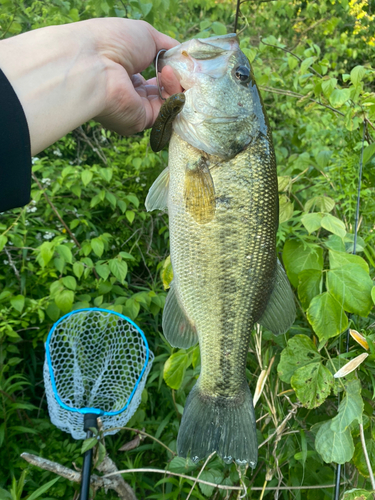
x=224 y=269
x=220 y=189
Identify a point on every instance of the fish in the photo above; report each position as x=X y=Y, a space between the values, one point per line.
x=220 y=191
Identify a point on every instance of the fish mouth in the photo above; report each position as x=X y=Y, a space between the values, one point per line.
x=208 y=56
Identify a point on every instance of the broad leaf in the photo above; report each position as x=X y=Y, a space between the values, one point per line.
x=78 y=269
x=98 y=246
x=333 y=447
x=357 y=74
x=326 y=316
x=368 y=153
x=339 y=97
x=334 y=441
x=118 y=268
x=312 y=222
x=64 y=300
x=351 y=285
x=65 y=253
x=175 y=367
x=69 y=282
x=339 y=259
x=312 y=384
x=298 y=258
x=88 y=444
x=334 y=225
x=310 y=284
x=286 y=208
x=359 y=457
x=300 y=352
x=86 y=177
x=102 y=270
x=18 y=302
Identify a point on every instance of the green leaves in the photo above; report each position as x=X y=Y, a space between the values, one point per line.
x=18 y=302
x=334 y=225
x=119 y=269
x=357 y=74
x=339 y=97
x=301 y=366
x=309 y=285
x=298 y=257
x=326 y=316
x=334 y=441
x=300 y=352
x=97 y=245
x=351 y=286
x=175 y=367
x=312 y=384
x=368 y=153
x=64 y=300
x=3 y=241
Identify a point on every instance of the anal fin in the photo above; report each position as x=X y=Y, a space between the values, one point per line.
x=157 y=197
x=177 y=328
x=280 y=312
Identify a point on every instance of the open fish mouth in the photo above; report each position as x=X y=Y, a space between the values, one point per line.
x=200 y=57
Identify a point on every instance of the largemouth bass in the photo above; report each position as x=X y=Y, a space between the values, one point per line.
x=220 y=189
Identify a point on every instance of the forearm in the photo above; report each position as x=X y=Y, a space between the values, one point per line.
x=58 y=77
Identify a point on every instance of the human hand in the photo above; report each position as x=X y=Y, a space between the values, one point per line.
x=66 y=75
x=127 y=48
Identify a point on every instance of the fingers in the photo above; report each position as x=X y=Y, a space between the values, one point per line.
x=170 y=81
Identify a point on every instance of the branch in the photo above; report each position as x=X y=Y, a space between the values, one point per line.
x=298 y=96
x=223 y=487
x=117 y=483
x=293 y=54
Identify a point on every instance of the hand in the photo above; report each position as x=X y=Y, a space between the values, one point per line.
x=132 y=103
x=66 y=75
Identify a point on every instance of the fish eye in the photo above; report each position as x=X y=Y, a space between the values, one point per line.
x=242 y=74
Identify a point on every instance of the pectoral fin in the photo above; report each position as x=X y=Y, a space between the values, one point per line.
x=157 y=197
x=199 y=191
x=177 y=328
x=280 y=312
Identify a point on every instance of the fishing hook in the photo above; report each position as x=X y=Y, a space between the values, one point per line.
x=157 y=74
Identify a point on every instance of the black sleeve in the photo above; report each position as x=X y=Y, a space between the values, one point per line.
x=15 y=153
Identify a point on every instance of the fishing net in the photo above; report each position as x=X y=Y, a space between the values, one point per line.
x=97 y=361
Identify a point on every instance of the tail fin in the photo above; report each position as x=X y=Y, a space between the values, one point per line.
x=224 y=425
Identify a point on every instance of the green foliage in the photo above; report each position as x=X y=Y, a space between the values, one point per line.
x=334 y=441
x=312 y=63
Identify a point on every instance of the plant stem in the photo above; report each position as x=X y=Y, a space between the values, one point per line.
x=368 y=463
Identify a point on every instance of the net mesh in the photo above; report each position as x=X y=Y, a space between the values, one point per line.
x=98 y=360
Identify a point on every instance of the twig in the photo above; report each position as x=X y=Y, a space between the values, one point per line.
x=147 y=435
x=368 y=463
x=281 y=427
x=12 y=264
x=293 y=54
x=200 y=472
x=298 y=96
x=220 y=486
x=55 y=210
x=118 y=484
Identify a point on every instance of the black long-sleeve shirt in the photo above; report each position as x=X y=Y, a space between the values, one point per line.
x=15 y=153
